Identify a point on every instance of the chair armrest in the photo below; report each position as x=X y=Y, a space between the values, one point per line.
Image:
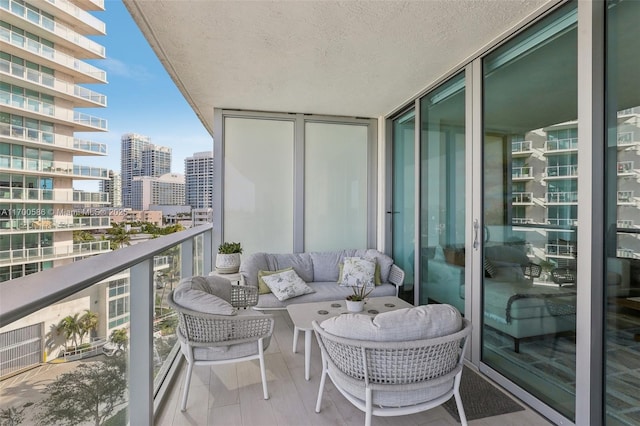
x=243 y=296
x=396 y=275
x=201 y=329
x=532 y=270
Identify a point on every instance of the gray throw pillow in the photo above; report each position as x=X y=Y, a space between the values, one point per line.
x=205 y=294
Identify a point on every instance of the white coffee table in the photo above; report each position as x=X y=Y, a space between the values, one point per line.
x=302 y=314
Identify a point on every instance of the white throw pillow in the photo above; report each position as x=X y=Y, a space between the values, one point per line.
x=286 y=285
x=421 y=322
x=358 y=272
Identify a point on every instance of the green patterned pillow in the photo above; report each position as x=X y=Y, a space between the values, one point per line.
x=263 y=288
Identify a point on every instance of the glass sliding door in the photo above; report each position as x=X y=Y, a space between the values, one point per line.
x=403 y=205
x=530 y=209
x=622 y=220
x=442 y=194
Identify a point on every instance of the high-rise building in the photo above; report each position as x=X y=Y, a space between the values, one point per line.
x=166 y=190
x=139 y=157
x=113 y=187
x=198 y=171
x=44 y=73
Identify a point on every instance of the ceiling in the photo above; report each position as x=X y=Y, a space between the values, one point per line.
x=353 y=58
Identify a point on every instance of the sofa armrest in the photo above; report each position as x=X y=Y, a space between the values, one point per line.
x=396 y=277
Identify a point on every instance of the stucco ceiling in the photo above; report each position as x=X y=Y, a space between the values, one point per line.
x=354 y=58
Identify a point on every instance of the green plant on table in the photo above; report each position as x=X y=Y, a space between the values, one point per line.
x=230 y=248
x=359 y=293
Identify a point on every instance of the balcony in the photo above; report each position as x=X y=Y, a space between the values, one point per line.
x=626 y=198
x=570 y=197
x=54 y=168
x=626 y=140
x=522 y=198
x=47 y=83
x=519 y=148
x=522 y=173
x=42 y=254
x=37 y=138
x=228 y=396
x=625 y=168
x=560 y=250
x=59 y=196
x=48 y=111
x=82 y=71
x=563 y=171
x=561 y=145
x=87 y=23
x=57 y=32
x=60 y=222
x=562 y=222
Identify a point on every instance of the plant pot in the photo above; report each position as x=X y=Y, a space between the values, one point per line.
x=355 y=306
x=228 y=263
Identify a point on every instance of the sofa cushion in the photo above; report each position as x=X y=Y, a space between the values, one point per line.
x=286 y=285
x=382 y=259
x=420 y=322
x=357 y=271
x=263 y=288
x=300 y=262
x=205 y=294
x=250 y=266
x=326 y=265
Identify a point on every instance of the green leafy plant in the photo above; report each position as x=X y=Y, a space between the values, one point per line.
x=229 y=248
x=359 y=293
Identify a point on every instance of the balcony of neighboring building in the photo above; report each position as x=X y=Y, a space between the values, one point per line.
x=561 y=171
x=35 y=22
x=51 y=168
x=562 y=197
x=17 y=44
x=563 y=250
x=41 y=139
x=76 y=17
x=57 y=196
x=562 y=222
x=627 y=140
x=48 y=111
x=521 y=173
x=522 y=198
x=42 y=254
x=626 y=168
x=521 y=148
x=80 y=96
x=626 y=198
x=561 y=146
x=65 y=221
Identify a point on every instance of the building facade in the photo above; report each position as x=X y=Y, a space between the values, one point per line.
x=167 y=189
x=113 y=187
x=44 y=48
x=198 y=172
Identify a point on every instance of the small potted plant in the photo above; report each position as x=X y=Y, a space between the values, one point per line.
x=228 y=258
x=355 y=301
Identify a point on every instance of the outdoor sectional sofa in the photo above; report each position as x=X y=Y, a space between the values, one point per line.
x=320 y=270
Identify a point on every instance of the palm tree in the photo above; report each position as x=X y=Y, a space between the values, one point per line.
x=88 y=322
x=118 y=236
x=69 y=325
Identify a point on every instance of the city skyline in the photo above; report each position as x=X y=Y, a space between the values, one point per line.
x=140 y=94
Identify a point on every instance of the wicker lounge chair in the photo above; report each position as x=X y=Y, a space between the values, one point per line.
x=394 y=378
x=209 y=339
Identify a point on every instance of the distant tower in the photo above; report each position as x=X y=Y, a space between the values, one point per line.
x=113 y=187
x=198 y=171
x=166 y=190
x=139 y=157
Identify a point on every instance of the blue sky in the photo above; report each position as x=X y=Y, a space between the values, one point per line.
x=141 y=98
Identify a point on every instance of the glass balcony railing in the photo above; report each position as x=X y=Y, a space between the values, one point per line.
x=49 y=138
x=52 y=195
x=570 y=197
x=53 y=167
x=524 y=172
x=568 y=144
x=569 y=170
x=62 y=31
x=562 y=222
x=626 y=139
x=51 y=54
x=626 y=197
x=625 y=168
x=62 y=221
x=521 y=146
x=49 y=81
x=126 y=292
x=41 y=254
x=522 y=197
x=560 y=250
x=81 y=15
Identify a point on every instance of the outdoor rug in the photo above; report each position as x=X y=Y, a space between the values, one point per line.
x=480 y=399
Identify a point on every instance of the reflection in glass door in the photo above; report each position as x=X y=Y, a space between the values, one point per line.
x=530 y=208
x=442 y=195
x=403 y=205
x=622 y=215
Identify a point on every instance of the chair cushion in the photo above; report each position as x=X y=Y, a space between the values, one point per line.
x=205 y=294
x=420 y=322
x=286 y=285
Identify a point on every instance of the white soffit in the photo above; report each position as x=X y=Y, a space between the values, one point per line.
x=355 y=58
